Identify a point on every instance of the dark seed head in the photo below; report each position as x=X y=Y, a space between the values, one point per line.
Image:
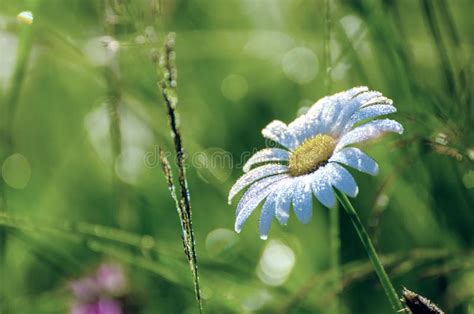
x=418 y=304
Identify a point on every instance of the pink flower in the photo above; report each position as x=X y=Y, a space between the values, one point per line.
x=96 y=294
x=101 y=306
x=110 y=278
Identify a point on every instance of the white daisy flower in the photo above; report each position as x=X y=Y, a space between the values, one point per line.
x=314 y=148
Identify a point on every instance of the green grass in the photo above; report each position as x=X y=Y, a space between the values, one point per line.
x=89 y=124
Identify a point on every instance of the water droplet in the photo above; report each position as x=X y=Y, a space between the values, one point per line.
x=25 y=17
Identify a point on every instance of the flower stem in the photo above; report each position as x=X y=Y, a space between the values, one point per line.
x=374 y=259
x=335 y=253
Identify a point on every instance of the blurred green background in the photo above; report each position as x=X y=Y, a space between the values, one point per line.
x=82 y=117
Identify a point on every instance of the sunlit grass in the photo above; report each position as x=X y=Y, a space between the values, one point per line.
x=82 y=195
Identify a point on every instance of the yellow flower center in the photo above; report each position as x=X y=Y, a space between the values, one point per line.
x=310 y=155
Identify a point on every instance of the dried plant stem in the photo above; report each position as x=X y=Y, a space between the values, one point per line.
x=167 y=84
x=369 y=248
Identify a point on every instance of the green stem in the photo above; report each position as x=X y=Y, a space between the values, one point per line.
x=374 y=259
x=334 y=228
x=335 y=249
x=327 y=47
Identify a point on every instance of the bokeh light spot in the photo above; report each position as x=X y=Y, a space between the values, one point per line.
x=129 y=165
x=9 y=44
x=16 y=171
x=213 y=165
x=276 y=263
x=300 y=65
x=468 y=179
x=234 y=87
x=101 y=50
x=220 y=243
x=256 y=300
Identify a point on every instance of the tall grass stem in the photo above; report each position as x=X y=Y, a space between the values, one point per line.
x=334 y=229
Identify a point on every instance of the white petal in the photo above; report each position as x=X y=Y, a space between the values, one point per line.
x=302 y=200
x=253 y=196
x=304 y=127
x=330 y=114
x=354 y=91
x=364 y=98
x=369 y=112
x=341 y=179
x=266 y=216
x=357 y=159
x=254 y=175
x=278 y=132
x=282 y=210
x=265 y=155
x=322 y=188
x=345 y=95
x=321 y=117
x=380 y=100
x=368 y=131
x=334 y=111
x=338 y=123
